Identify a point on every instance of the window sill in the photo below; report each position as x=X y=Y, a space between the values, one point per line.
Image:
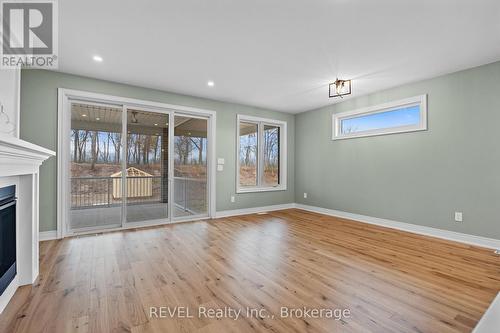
x=260 y=189
x=379 y=133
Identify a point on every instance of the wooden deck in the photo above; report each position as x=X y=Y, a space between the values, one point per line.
x=83 y=219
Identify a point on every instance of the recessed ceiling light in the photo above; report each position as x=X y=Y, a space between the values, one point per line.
x=97 y=118
x=84 y=115
x=97 y=58
x=156 y=124
x=210 y=83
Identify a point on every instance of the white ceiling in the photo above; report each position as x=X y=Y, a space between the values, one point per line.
x=275 y=54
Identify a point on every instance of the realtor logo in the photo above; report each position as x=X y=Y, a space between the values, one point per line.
x=29 y=34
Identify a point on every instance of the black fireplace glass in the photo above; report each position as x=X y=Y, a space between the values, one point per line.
x=7 y=236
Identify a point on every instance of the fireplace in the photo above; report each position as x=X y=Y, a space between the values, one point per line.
x=7 y=236
x=19 y=177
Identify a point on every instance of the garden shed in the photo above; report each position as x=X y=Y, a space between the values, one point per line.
x=139 y=184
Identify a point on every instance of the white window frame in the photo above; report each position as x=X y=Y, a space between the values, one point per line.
x=260 y=163
x=421 y=100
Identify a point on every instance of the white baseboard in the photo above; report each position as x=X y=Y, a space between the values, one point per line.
x=244 y=211
x=417 y=229
x=490 y=319
x=413 y=228
x=47 y=235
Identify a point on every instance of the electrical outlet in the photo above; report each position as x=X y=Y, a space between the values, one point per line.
x=232 y=198
x=305 y=195
x=458 y=217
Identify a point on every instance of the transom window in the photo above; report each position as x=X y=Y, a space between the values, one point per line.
x=395 y=117
x=261 y=154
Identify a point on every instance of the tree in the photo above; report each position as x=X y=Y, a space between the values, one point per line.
x=271 y=149
x=248 y=148
x=116 y=140
x=156 y=147
x=75 y=135
x=93 y=150
x=146 y=148
x=82 y=145
x=183 y=148
x=198 y=143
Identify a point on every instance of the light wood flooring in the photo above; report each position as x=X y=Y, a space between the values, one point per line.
x=390 y=281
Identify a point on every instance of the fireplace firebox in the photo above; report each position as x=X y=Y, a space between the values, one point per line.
x=7 y=236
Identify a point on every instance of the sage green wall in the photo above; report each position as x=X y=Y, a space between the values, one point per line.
x=39 y=125
x=421 y=177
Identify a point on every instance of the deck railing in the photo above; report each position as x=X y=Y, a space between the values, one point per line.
x=190 y=194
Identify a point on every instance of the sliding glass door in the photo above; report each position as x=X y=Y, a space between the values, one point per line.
x=190 y=166
x=95 y=159
x=130 y=166
x=147 y=166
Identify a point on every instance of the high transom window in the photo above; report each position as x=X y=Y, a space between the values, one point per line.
x=395 y=117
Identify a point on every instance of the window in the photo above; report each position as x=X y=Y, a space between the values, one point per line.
x=248 y=154
x=395 y=117
x=261 y=155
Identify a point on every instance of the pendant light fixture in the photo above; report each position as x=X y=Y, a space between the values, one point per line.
x=340 y=88
x=134 y=117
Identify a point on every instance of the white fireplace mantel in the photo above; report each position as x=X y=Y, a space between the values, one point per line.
x=19 y=157
x=19 y=165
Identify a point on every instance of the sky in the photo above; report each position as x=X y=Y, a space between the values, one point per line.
x=394 y=118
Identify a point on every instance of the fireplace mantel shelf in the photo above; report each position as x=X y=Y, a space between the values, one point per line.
x=19 y=157
x=12 y=147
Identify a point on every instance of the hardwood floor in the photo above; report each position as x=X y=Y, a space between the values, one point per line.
x=390 y=281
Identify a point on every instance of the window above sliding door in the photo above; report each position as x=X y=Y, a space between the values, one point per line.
x=261 y=154
x=401 y=116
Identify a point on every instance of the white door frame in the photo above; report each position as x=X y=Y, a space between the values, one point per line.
x=64 y=127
